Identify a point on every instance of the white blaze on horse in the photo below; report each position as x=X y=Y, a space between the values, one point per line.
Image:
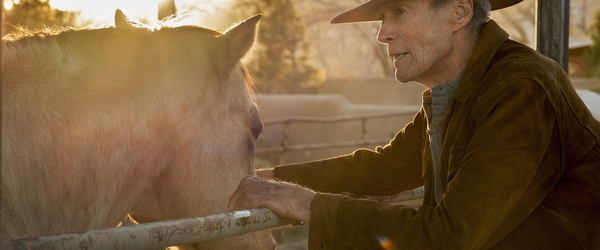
x=97 y=124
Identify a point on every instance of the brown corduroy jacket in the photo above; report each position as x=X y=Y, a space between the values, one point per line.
x=520 y=167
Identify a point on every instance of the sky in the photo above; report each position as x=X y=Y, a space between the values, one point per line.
x=102 y=12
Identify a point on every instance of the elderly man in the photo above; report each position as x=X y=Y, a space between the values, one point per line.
x=507 y=151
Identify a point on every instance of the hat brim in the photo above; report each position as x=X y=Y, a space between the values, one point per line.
x=367 y=12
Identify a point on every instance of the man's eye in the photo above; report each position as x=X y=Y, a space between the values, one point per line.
x=400 y=11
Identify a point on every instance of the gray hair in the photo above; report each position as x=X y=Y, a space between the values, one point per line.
x=481 y=13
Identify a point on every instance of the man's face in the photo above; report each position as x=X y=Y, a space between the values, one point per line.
x=418 y=38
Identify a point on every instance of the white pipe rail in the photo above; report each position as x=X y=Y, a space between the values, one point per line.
x=157 y=234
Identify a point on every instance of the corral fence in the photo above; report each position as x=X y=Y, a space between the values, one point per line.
x=284 y=148
x=185 y=231
x=198 y=229
x=157 y=235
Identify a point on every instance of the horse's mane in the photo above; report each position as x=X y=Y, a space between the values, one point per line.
x=171 y=22
x=22 y=38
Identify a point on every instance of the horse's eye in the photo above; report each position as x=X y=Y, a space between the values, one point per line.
x=256 y=131
x=256 y=126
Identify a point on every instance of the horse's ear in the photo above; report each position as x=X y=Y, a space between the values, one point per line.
x=122 y=22
x=238 y=40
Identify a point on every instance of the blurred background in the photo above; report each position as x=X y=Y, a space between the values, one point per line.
x=299 y=51
x=336 y=76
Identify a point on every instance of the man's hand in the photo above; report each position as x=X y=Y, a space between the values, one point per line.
x=267 y=174
x=285 y=199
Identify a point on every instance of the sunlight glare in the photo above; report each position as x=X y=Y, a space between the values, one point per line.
x=8 y=5
x=103 y=12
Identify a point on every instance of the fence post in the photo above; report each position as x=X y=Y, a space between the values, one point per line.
x=552 y=30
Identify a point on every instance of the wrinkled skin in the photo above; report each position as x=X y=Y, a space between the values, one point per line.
x=428 y=45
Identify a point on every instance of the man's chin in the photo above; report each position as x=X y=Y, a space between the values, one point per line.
x=403 y=79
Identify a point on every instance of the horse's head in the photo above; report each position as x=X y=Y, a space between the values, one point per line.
x=155 y=122
x=216 y=121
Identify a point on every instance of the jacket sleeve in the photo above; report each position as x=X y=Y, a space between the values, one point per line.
x=387 y=170
x=512 y=130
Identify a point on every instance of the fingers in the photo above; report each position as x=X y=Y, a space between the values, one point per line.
x=236 y=200
x=249 y=194
x=286 y=200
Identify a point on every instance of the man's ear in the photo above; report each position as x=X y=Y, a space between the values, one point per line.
x=463 y=12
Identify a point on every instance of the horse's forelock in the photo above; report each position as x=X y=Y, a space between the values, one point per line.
x=249 y=83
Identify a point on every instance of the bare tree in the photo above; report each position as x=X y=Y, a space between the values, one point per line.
x=518 y=21
x=346 y=51
x=36 y=14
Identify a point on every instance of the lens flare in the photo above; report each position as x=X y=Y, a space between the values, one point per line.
x=385 y=243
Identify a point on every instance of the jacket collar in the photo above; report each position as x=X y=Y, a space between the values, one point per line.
x=486 y=47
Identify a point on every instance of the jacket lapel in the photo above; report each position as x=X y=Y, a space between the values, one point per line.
x=491 y=39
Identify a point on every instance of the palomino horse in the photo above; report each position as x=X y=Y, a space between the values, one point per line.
x=97 y=124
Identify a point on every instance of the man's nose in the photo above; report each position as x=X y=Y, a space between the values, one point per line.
x=385 y=34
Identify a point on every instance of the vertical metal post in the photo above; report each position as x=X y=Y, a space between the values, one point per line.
x=285 y=143
x=552 y=30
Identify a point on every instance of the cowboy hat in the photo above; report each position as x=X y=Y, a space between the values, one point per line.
x=367 y=11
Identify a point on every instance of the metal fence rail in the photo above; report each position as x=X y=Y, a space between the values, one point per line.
x=285 y=146
x=185 y=231
x=157 y=234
